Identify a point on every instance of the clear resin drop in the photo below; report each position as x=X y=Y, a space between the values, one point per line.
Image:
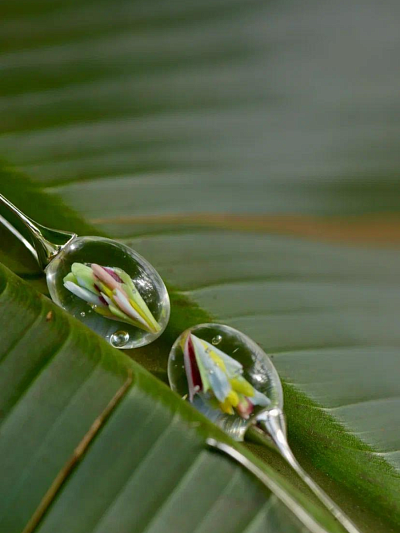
x=110 y=288
x=225 y=375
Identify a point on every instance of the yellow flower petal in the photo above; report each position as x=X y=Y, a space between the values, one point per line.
x=242 y=386
x=233 y=398
x=226 y=407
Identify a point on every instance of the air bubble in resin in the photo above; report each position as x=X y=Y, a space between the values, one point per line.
x=151 y=291
x=119 y=339
x=216 y=340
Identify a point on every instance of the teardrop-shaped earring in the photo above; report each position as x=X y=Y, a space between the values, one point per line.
x=232 y=381
x=103 y=283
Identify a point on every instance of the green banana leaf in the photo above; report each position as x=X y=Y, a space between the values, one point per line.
x=249 y=151
x=146 y=466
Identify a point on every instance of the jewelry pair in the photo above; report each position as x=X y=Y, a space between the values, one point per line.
x=118 y=294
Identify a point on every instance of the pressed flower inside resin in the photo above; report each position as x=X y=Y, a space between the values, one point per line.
x=233 y=382
x=111 y=293
x=223 y=372
x=129 y=291
x=112 y=289
x=218 y=379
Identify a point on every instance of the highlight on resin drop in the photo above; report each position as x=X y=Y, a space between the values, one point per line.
x=111 y=293
x=217 y=379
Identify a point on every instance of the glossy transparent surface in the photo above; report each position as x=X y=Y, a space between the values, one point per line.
x=109 y=253
x=258 y=370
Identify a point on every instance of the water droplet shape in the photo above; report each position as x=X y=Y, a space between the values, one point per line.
x=259 y=371
x=109 y=253
x=141 y=299
x=254 y=366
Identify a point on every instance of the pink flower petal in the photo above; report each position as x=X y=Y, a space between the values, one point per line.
x=121 y=300
x=113 y=274
x=191 y=368
x=245 y=408
x=105 y=277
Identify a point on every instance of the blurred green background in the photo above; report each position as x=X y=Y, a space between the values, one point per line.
x=249 y=149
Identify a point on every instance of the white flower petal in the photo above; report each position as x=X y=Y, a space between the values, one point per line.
x=82 y=293
x=107 y=299
x=218 y=379
x=259 y=399
x=232 y=366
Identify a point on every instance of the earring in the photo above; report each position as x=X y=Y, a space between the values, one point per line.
x=225 y=375
x=232 y=381
x=103 y=283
